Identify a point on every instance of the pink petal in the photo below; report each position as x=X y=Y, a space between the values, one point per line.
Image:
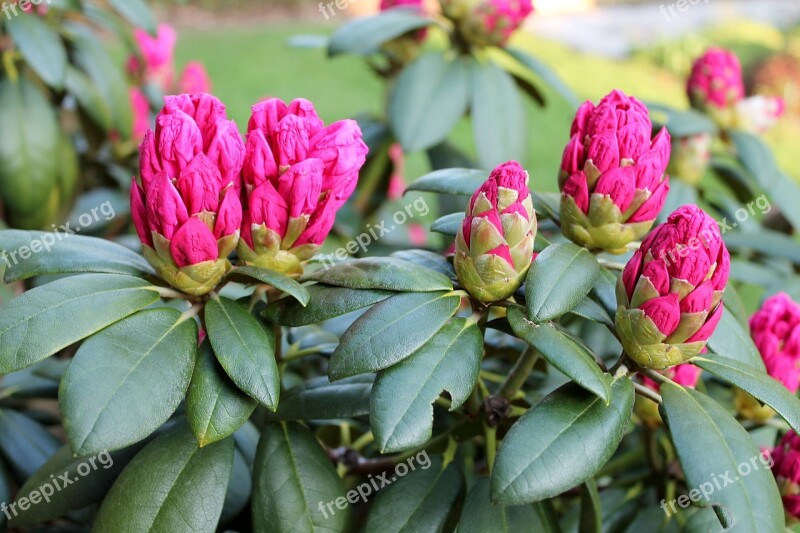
x=193 y=243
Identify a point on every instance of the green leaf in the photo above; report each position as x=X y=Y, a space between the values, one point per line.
x=127 y=380
x=215 y=406
x=66 y=254
x=459 y=181
x=546 y=74
x=570 y=423
x=382 y=273
x=88 y=97
x=401 y=414
x=711 y=443
x=171 y=485
x=92 y=57
x=757 y=158
x=5 y=491
x=277 y=280
x=499 y=119
x=757 y=383
x=366 y=35
x=245 y=349
x=390 y=332
x=681 y=123
x=427 y=259
x=137 y=13
x=49 y=318
x=770 y=243
x=547 y=204
x=428 y=99
x=84 y=490
x=325 y=302
x=566 y=355
x=732 y=340
x=28 y=153
x=238 y=495
x=448 y=224
x=26 y=445
x=41 y=47
x=591 y=509
x=480 y=515
x=562 y=276
x=319 y=399
x=428 y=498
x=293 y=481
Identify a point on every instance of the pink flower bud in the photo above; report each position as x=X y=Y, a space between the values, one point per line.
x=194 y=79
x=487 y=22
x=671 y=290
x=158 y=54
x=141 y=114
x=786 y=469
x=297 y=174
x=716 y=80
x=389 y=4
x=188 y=211
x=775 y=329
x=612 y=169
x=686 y=375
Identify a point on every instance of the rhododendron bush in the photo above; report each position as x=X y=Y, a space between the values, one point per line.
x=611 y=357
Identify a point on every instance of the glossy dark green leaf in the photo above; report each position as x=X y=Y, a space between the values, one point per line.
x=245 y=349
x=499 y=119
x=459 y=181
x=277 y=280
x=5 y=491
x=239 y=490
x=90 y=480
x=448 y=224
x=732 y=340
x=66 y=254
x=319 y=399
x=67 y=309
x=427 y=498
x=562 y=276
x=391 y=331
x=382 y=273
x=547 y=204
x=215 y=406
x=591 y=508
x=591 y=310
x=427 y=259
x=571 y=423
x=711 y=443
x=28 y=153
x=325 y=303
x=137 y=12
x=566 y=355
x=366 y=35
x=428 y=99
x=293 y=481
x=25 y=444
x=481 y=515
x=757 y=383
x=401 y=414
x=126 y=381
x=546 y=74
x=171 y=485
x=605 y=291
x=41 y=47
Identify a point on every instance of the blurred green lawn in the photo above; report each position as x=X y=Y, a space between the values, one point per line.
x=248 y=64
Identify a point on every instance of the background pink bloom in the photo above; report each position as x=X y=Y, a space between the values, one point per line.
x=775 y=329
x=194 y=79
x=716 y=80
x=786 y=468
x=158 y=54
x=141 y=113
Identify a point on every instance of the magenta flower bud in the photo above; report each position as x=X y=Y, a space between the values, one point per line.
x=669 y=295
x=297 y=174
x=158 y=54
x=389 y=4
x=194 y=79
x=187 y=210
x=716 y=86
x=786 y=469
x=775 y=329
x=141 y=114
x=494 y=247
x=613 y=181
x=487 y=22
